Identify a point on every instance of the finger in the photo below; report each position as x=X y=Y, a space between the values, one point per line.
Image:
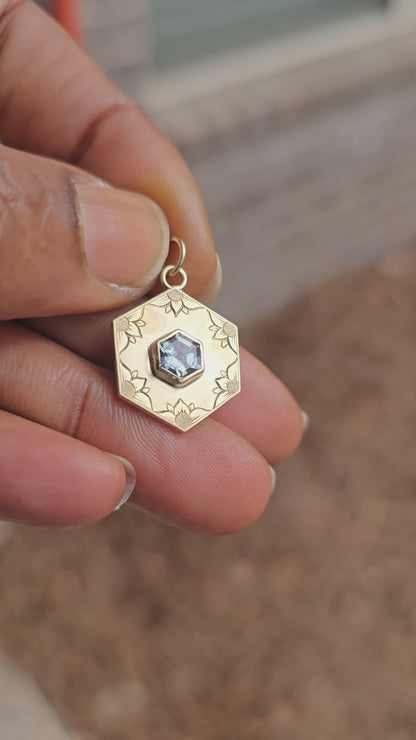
x=264 y=412
x=209 y=479
x=50 y=479
x=55 y=101
x=70 y=244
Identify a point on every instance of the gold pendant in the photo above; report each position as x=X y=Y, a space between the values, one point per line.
x=175 y=358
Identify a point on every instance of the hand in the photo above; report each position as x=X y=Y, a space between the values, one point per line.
x=68 y=243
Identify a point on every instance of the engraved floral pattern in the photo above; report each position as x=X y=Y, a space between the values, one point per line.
x=134 y=385
x=223 y=332
x=181 y=412
x=176 y=302
x=131 y=328
x=227 y=385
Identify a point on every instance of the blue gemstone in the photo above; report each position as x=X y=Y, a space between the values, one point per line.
x=180 y=356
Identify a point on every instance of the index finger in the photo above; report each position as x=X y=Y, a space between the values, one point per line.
x=55 y=101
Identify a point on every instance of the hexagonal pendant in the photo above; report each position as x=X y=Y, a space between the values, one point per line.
x=176 y=358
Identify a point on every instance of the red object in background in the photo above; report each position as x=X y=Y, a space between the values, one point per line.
x=68 y=14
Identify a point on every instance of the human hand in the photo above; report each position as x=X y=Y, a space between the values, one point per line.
x=67 y=242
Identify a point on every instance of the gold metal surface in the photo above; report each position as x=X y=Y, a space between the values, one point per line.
x=136 y=333
x=182 y=254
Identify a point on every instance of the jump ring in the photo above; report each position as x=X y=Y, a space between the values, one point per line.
x=170 y=271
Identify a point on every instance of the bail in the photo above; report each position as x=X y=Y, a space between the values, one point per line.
x=171 y=270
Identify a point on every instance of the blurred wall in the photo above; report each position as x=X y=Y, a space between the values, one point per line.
x=117 y=36
x=304 y=148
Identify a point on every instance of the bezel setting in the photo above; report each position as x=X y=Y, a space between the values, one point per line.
x=166 y=375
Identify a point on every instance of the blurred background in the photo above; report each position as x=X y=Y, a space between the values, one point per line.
x=297 y=118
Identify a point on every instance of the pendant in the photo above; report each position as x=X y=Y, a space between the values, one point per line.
x=176 y=358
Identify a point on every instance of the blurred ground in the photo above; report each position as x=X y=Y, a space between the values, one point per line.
x=302 y=627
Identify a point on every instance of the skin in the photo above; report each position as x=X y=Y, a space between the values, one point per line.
x=63 y=122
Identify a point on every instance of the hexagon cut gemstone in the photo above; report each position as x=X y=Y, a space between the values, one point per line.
x=177 y=358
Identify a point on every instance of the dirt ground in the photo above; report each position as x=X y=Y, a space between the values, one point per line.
x=302 y=627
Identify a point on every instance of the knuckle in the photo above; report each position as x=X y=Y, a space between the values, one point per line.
x=12 y=220
x=28 y=203
x=7 y=7
x=36 y=212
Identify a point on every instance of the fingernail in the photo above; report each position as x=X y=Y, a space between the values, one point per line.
x=213 y=288
x=306 y=420
x=130 y=480
x=273 y=475
x=125 y=236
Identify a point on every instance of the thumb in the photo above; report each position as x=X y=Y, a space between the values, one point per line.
x=69 y=243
